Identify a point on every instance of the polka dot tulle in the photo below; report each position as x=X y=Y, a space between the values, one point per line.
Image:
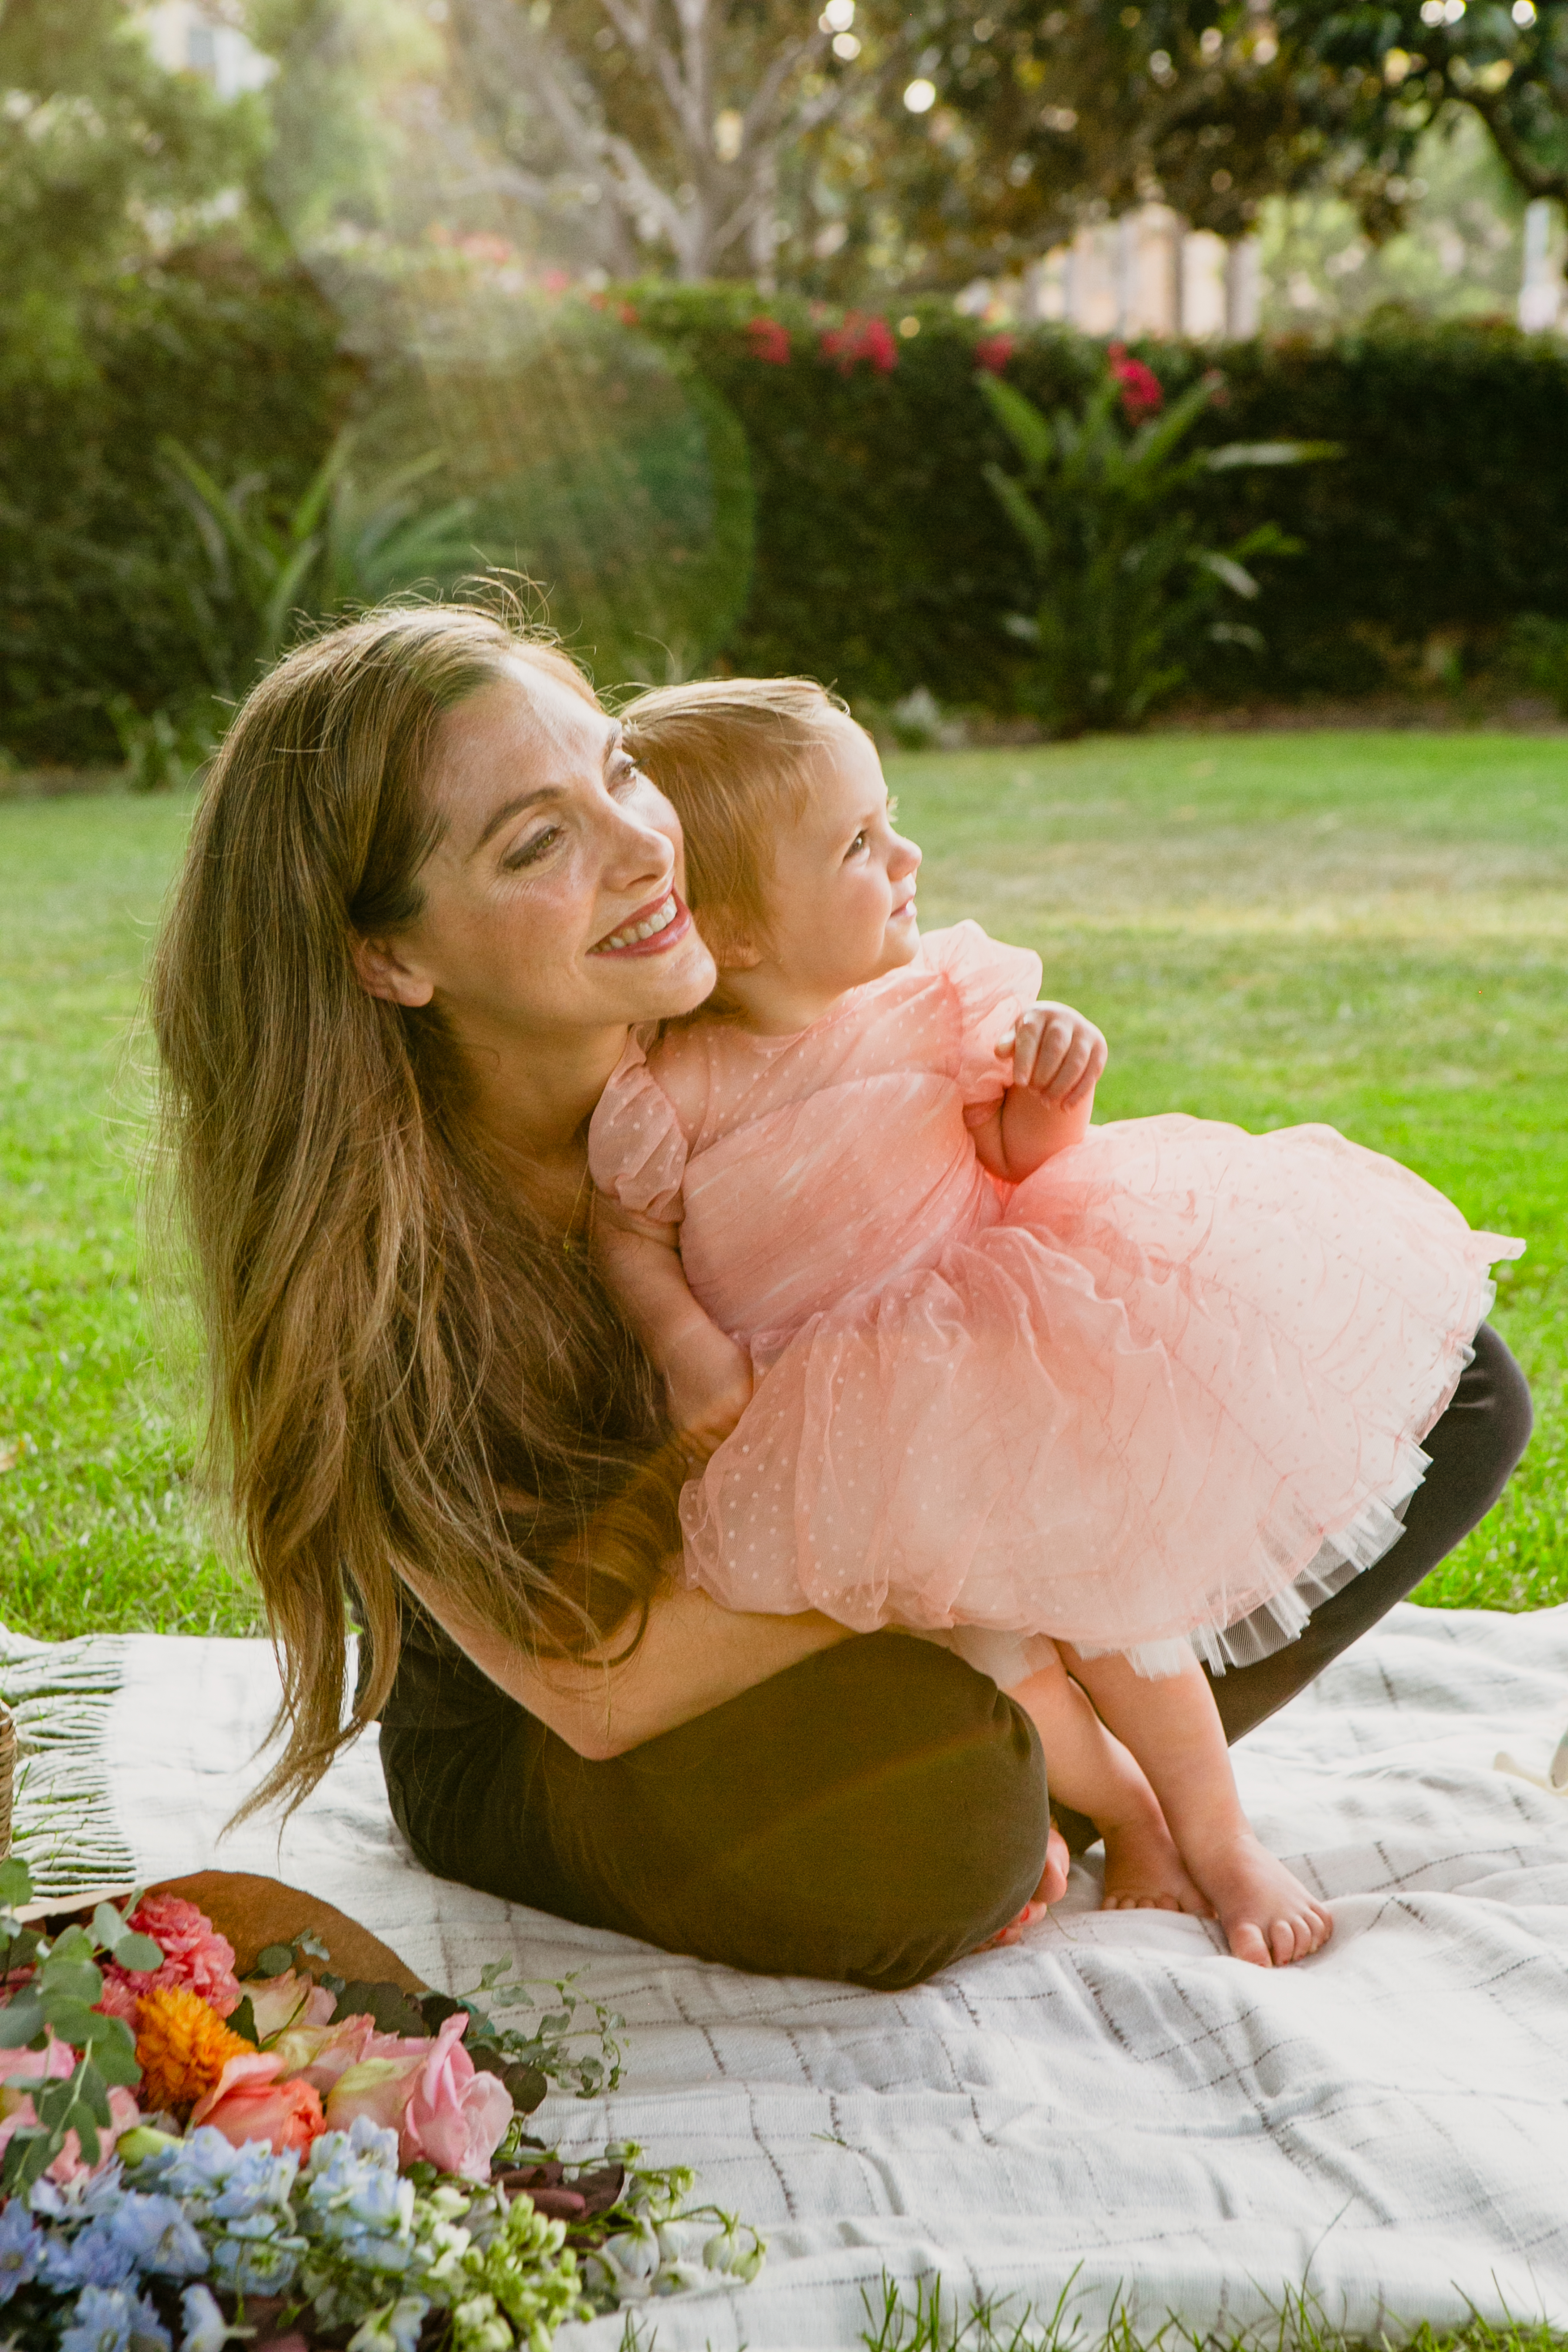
x=1167 y=1393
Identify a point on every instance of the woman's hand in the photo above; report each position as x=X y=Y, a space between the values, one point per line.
x=1056 y=1054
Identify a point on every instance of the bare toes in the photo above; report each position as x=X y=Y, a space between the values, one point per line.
x=1247 y=1944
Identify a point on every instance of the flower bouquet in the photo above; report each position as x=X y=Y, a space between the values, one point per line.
x=287 y=2160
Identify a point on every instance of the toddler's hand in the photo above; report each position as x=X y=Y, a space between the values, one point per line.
x=1056 y=1054
x=708 y=1379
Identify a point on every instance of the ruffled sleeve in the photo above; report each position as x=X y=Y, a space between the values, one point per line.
x=636 y=1151
x=994 y=986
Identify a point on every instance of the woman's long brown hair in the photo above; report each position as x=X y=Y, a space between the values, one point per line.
x=412 y=1382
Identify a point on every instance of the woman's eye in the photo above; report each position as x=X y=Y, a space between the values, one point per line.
x=533 y=849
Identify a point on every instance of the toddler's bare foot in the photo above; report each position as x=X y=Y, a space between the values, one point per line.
x=1144 y=1871
x=1268 y=1916
x=1053 y=1885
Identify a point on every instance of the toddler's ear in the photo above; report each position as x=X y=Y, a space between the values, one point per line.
x=726 y=940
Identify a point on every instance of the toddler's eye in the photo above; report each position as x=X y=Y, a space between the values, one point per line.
x=859 y=842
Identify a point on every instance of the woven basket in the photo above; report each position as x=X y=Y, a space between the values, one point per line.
x=7 y=1775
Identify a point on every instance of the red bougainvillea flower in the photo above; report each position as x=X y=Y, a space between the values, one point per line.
x=197 y=1958
x=862 y=338
x=249 y=2102
x=993 y=352
x=1142 y=393
x=768 y=341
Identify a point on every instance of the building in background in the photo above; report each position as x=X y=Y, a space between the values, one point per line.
x=186 y=38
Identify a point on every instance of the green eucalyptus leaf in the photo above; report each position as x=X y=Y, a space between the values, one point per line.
x=15 y=1883
x=59 y=1980
x=113 y=2047
x=22 y=2019
x=74 y=1945
x=139 y=1952
x=29 y=2153
x=310 y=1944
x=273 y=1961
x=242 y=2021
x=74 y=2020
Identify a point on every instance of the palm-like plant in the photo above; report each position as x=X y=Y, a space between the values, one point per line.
x=345 y=542
x=1125 y=583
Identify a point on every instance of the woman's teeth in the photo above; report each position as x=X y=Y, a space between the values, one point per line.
x=659 y=920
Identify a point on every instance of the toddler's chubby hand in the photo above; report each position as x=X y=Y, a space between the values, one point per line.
x=1056 y=1054
x=708 y=1379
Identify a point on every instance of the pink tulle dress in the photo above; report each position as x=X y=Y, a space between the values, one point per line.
x=1163 y=1395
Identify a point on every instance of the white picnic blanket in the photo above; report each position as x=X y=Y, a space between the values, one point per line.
x=1115 y=2110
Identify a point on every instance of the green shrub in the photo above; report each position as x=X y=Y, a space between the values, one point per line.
x=882 y=561
x=242 y=368
x=880 y=557
x=1125 y=588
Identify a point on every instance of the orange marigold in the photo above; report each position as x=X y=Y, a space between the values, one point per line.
x=182 y=2047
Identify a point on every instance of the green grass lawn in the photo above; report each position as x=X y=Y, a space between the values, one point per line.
x=1365 y=928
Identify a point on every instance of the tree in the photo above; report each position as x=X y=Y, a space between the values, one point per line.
x=670 y=125
x=103 y=156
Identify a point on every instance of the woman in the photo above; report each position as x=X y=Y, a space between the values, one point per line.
x=425 y=896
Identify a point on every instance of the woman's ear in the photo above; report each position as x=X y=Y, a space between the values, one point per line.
x=382 y=973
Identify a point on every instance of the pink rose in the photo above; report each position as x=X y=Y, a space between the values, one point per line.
x=377 y=2087
x=293 y=1998
x=195 y=1954
x=249 y=2102
x=320 y=2053
x=456 y=2118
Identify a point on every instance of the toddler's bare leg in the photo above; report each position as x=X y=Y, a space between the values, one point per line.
x=1172 y=1728
x=1092 y=1773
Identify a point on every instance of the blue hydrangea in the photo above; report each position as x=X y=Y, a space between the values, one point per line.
x=158 y=2235
x=111 y=2319
x=228 y=2183
x=353 y=2193
x=255 y=2265
x=93 y=2257
x=21 y=2248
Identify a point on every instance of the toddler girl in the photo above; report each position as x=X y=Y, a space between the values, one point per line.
x=1148 y=1390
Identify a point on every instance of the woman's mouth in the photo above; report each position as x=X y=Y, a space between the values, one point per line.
x=650 y=930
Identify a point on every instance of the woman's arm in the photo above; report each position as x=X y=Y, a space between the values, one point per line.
x=693 y=1657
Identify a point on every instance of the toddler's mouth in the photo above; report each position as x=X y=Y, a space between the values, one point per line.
x=650 y=930
x=907 y=908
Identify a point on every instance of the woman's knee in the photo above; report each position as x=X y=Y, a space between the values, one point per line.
x=900 y=1822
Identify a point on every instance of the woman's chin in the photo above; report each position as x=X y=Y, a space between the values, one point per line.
x=661 y=987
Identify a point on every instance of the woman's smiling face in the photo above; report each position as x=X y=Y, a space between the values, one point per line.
x=553 y=896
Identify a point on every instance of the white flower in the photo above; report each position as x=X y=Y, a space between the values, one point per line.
x=204 y=2328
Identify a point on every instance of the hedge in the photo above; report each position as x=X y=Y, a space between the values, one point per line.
x=881 y=560
x=242 y=367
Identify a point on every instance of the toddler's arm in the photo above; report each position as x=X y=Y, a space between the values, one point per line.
x=1057 y=1057
x=707 y=1377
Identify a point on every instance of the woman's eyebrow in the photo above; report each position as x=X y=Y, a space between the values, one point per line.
x=514 y=807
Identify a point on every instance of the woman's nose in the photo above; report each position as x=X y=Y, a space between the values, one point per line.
x=637 y=852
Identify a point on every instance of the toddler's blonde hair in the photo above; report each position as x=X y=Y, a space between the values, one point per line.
x=735 y=755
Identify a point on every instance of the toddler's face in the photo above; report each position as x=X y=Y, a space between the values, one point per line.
x=841 y=903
